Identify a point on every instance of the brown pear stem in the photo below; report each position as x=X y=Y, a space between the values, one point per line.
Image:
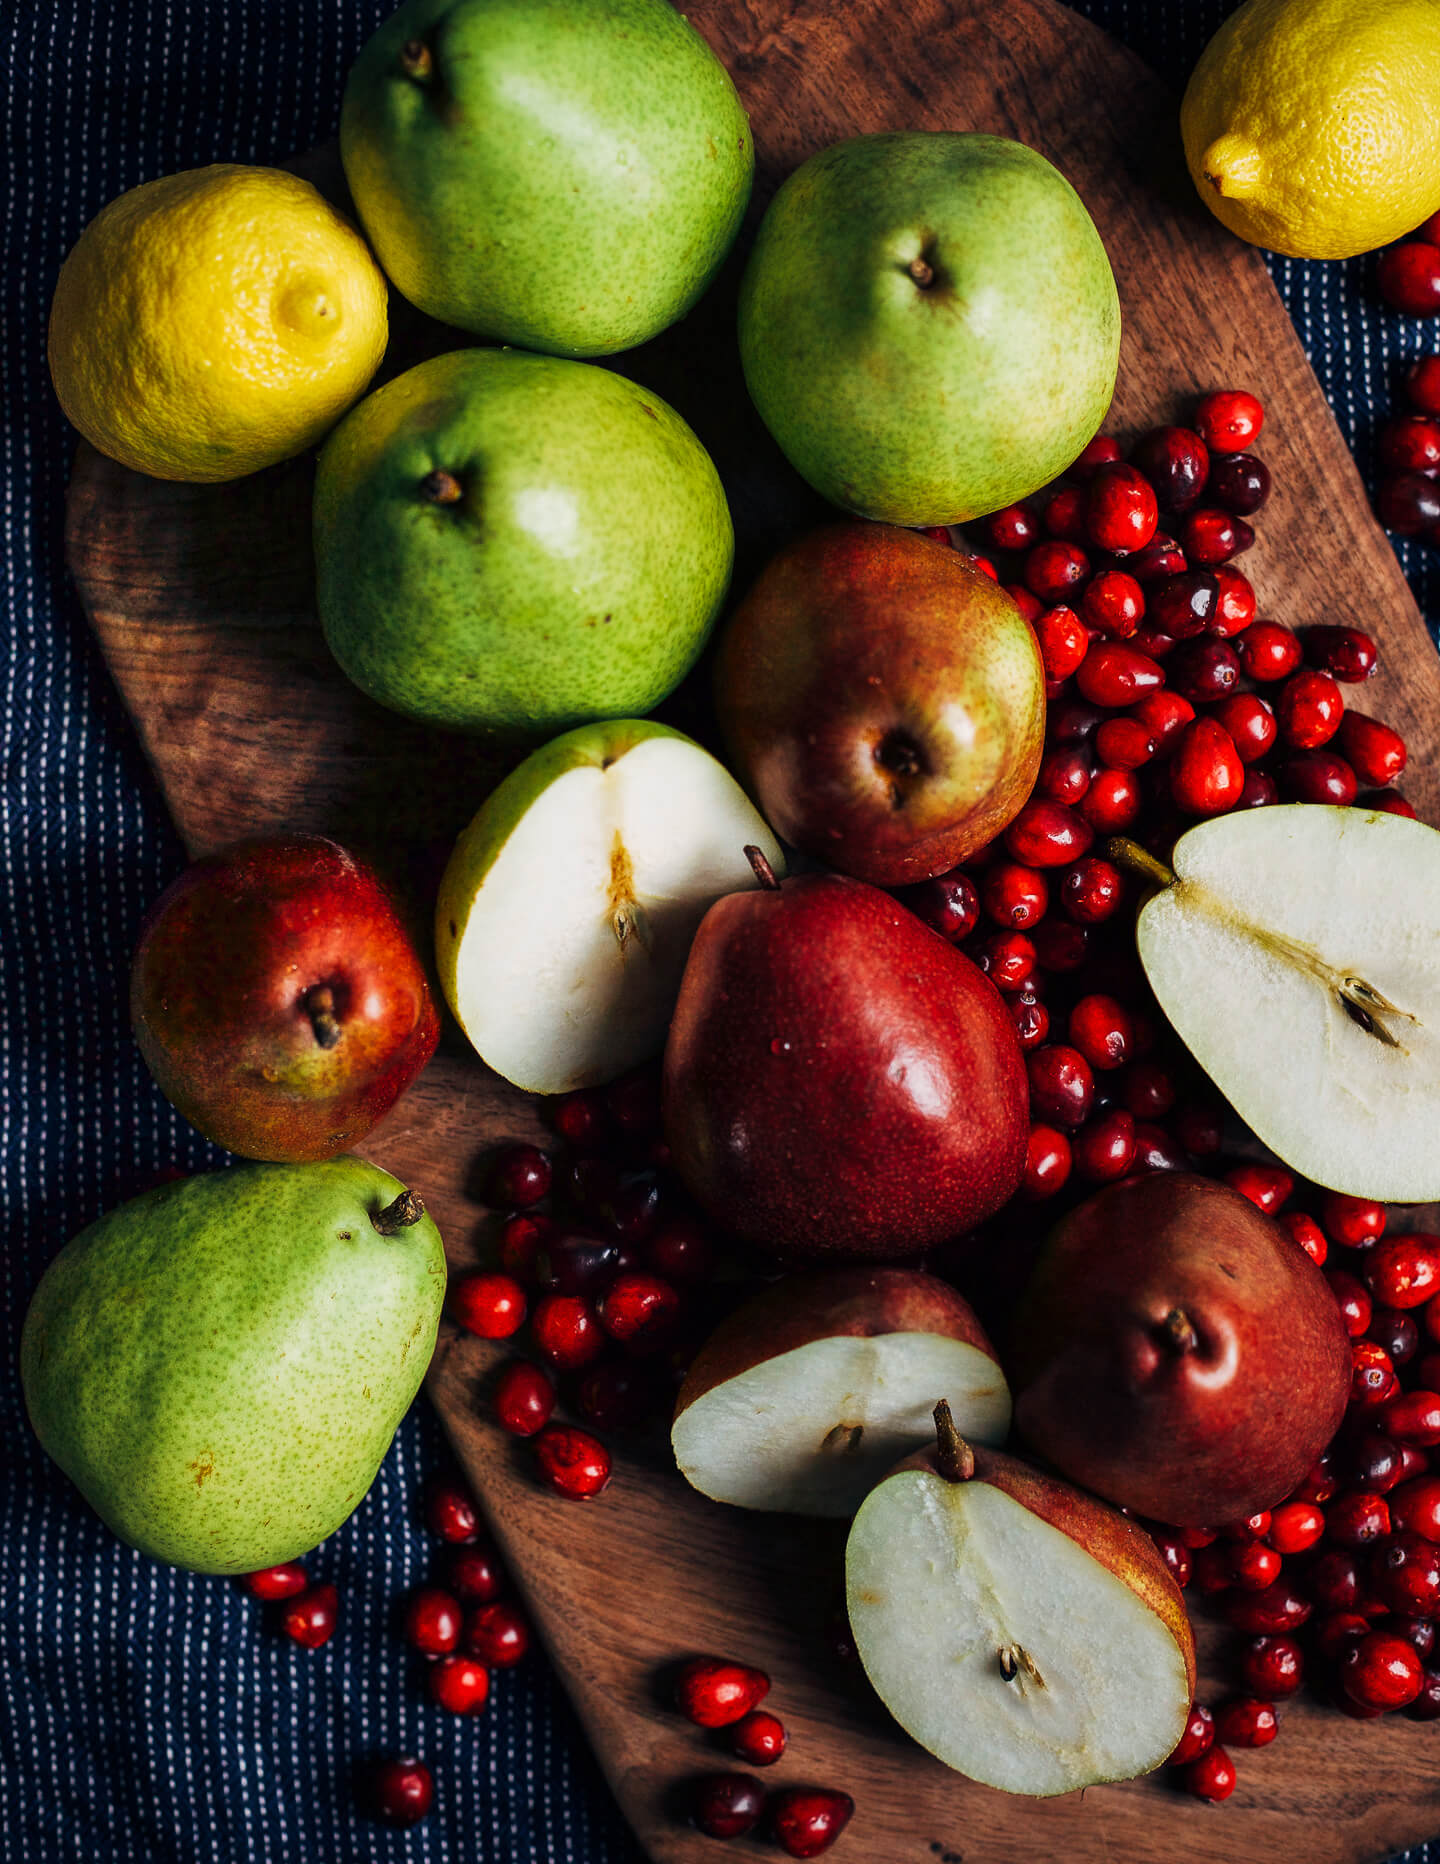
x=922 y=272
x=1179 y=1331
x=416 y=60
x=405 y=1211
x=954 y=1457
x=1137 y=860
x=320 y=1008
x=441 y=488
x=764 y=872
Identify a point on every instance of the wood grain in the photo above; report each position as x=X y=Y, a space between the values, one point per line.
x=202 y=602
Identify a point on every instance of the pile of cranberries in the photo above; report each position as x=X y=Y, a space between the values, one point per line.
x=1407 y=499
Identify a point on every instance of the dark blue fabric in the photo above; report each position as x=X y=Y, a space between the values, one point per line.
x=143 y=1716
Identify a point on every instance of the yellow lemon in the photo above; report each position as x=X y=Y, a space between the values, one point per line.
x=1311 y=126
x=214 y=322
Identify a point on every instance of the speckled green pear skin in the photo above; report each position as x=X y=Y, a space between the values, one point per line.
x=571 y=571
x=220 y=1364
x=566 y=175
x=929 y=324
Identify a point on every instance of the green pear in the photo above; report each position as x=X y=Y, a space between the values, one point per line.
x=220 y=1364
x=517 y=544
x=569 y=905
x=929 y=325
x=567 y=175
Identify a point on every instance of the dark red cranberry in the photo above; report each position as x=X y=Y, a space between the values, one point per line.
x=1408 y=503
x=1062 y=1088
x=1333 y=1580
x=1204 y=670
x=1174 y=1554
x=681 y=1251
x=1426 y=1706
x=1396 y=1332
x=1200 y=1130
x=1239 y=483
x=1064 y=775
x=1212 y=1777
x=1065 y=514
x=1357 y=1519
x=474 y=1575
x=1372 y=1377
x=1048 y=1161
x=1103 y=450
x=726 y=1805
x=1149 y=1091
x=1409 y=278
x=277 y=1582
x=1272 y=1666
x=948 y=904
x=804 y=1821
x=1367 y=1461
x=1380 y=1671
x=759 y=1738
x=520 y=1177
x=1405 y=1573
x=1415 y=1506
x=432 y=1621
x=520 y=1240
x=1104 y=1148
x=524 y=1398
x=400 y=1790
x=1121 y=512
x=1055 y=571
x=1160 y=558
x=1206 y=775
x=1422 y=384
x=1114 y=603
x=310 y=1618
x=1344 y=653
x=1060 y=945
x=634 y=1103
x=1073 y=722
x=1280 y=1607
x=566 y=1331
x=572 y=1462
x=1259 y=791
x=1336 y=1631
x=1352 y=1297
x=713 y=1692
x=1413 y=1418
x=1317 y=777
x=1184 y=606
x=1124 y=744
x=1030 y=1017
x=1210 y=537
x=1006 y=958
x=1373 y=751
x=1198 y=1737
x=1229 y=420
x=639 y=1311
x=1027 y=604
x=450 y=1514
x=1409 y=443
x=1113 y=802
x=1247 y=1722
x=1014 y=528
x=1092 y=891
x=618 y=1394
x=497 y=1634
x=487 y=1304
x=1014 y=895
x=1046 y=834
x=1176 y=461
x=1250 y=722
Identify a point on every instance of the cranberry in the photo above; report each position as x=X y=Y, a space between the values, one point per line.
x=1336 y=1631
x=1306 y=1232
x=1247 y=1722
x=520 y=1240
x=432 y=1621
x=1210 y=537
x=1354 y=1221
x=618 y=1394
x=1255 y=1566
x=1396 y=1332
x=1415 y=1506
x=1268 y=652
x=639 y=1310
x=1333 y=1580
x=1199 y=1536
x=1239 y=484
x=1184 y=606
x=575 y=1263
x=519 y=1177
x=581 y=1118
x=1206 y=775
x=681 y=1251
x=948 y=904
x=1372 y=1377
x=1278 y=1608
x=1113 y=802
x=1250 y=723
x=983 y=567
x=1308 y=709
x=450 y=1513
x=1163 y=714
x=1055 y=571
x=1405 y=1574
x=311 y=1616
x=1212 y=1570
x=1374 y=752
x=1229 y=420
x=1198 y=1738
x=1092 y=891
x=1014 y=895
x=1114 y=603
x=1102 y=1029
x=1030 y=1017
x=1357 y=1519
x=1408 y=503
x=1113 y=674
x=1414 y=1462
x=459 y=1684
x=497 y=1634
x=566 y=1331
x=1007 y=959
x=1409 y=278
x=1175 y=1556
x=634 y=1103
x=1259 y=791
x=1422 y=384
x=400 y=1790
x=1426 y=1706
x=1121 y=513
x=1353 y=1300
x=1149 y=1091
x=1064 y=775
x=726 y=1805
x=1062 y=639
x=474 y=1574
x=1065 y=515
x=759 y=1738
x=1073 y=721
x=1344 y=653
x=1014 y=528
x=1046 y=834
x=1176 y=461
x=1212 y=1777
x=1253 y=1527
x=1266 y=1186
x=1104 y=1149
x=487 y=1304
x=1199 y=1129
x=1413 y=1418
x=524 y=1398
x=1160 y=558
x=1318 y=777
x=1060 y=945
x=1380 y=1671
x=713 y=1692
x=1368 y=1461
x=805 y=1821
x=1124 y=744
x=1048 y=1160
x=1062 y=1088
x=1409 y=443
x=1205 y=670
x=1272 y=1666
x=572 y=1462
x=277 y=1582
x=1103 y=450
x=1404 y=1271
x=1024 y=601
x=1235 y=609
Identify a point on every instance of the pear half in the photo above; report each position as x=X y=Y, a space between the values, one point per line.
x=1296 y=950
x=1024 y=1632
x=569 y=905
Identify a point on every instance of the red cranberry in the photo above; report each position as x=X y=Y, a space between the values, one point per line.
x=1206 y=775
x=1336 y=1631
x=450 y=1513
x=1161 y=557
x=1413 y=1418
x=1028 y=606
x=572 y=1462
x=1055 y=571
x=1247 y=1722
x=1333 y=1580
x=1344 y=653
x=1374 y=752
x=524 y=1398
x=1113 y=674
x=1235 y=607
x=984 y=567
x=1404 y=1271
x=1103 y=450
x=1268 y=652
x=519 y=1177
x=1210 y=537
x=1250 y=723
x=1388 y=802
x=1278 y=1608
x=1048 y=1160
x=948 y=904
x=432 y=1621
x=1422 y=384
x=277 y=1582
x=1014 y=528
x=1308 y=709
x=1239 y=483
x=639 y=1310
x=1213 y=1570
x=1212 y=1777
x=1113 y=802
x=1114 y=603
x=1415 y=1506
x=566 y=1331
x=1259 y=791
x=1104 y=1149
x=1368 y=1461
x=1176 y=461
x=726 y=1805
x=1163 y=714
x=1409 y=443
x=1318 y=777
x=1014 y=895
x=1380 y=1671
x=1062 y=1087
x=634 y=1103
x=713 y=1692
x=1205 y=670
x=1253 y=1527
x=804 y=1821
x=1046 y=834
x=1229 y=420
x=1266 y=1186
x=1353 y=1300
x=1007 y=959
x=1062 y=639
x=1372 y=1377
x=1405 y=1574
x=487 y=1304
x=1064 y=775
x=1103 y=1031
x=1073 y=722
x=1396 y=1332
x=1254 y=1567
x=474 y=1574
x=400 y=1790
x=1357 y=1519
x=1184 y=606
x=1354 y=1221
x=581 y=1118
x=497 y=1634
x=1426 y=1706
x=1174 y=1554
x=1065 y=514
x=520 y=1240
x=759 y=1738
x=1149 y=1091
x=459 y=1684
x=310 y=1618
x=1272 y=1666
x=1124 y=744
x=1409 y=278
x=1408 y=503
x=1121 y=512
x=1198 y=1738
x=1030 y=1017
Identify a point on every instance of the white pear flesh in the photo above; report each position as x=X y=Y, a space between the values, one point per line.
x=569 y=906
x=813 y=1430
x=1002 y=1646
x=1272 y=910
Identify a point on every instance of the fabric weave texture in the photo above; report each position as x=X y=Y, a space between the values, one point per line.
x=145 y=1718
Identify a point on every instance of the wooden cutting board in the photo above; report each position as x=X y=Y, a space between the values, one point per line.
x=202 y=602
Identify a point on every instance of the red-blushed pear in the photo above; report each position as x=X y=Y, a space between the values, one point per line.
x=883 y=701
x=1023 y=1631
x=806 y=1395
x=840 y=1082
x=278 y=1000
x=1176 y=1352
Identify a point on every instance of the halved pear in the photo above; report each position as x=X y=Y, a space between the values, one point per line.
x=806 y=1395
x=568 y=907
x=1021 y=1630
x=1296 y=950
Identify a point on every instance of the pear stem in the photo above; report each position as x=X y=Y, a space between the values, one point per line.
x=405 y=1211
x=416 y=60
x=1179 y=1330
x=441 y=488
x=922 y=272
x=320 y=1008
x=1137 y=860
x=764 y=872
x=955 y=1458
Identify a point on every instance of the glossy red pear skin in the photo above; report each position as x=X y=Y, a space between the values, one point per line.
x=227 y=961
x=862 y=641
x=840 y=1082
x=1190 y=1437
x=852 y=1303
